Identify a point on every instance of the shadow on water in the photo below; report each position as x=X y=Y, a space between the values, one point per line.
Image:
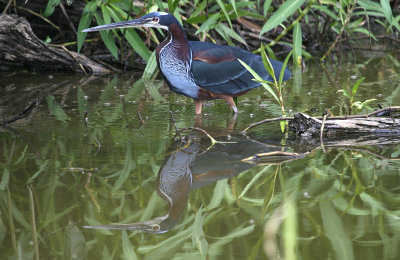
x=92 y=151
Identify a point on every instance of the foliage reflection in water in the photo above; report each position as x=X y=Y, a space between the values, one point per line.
x=342 y=204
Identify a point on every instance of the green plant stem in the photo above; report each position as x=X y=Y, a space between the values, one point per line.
x=11 y=222
x=281 y=101
x=41 y=17
x=33 y=223
x=346 y=21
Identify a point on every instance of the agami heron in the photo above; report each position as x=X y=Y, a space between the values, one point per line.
x=200 y=70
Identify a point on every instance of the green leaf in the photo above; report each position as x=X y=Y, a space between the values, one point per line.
x=355 y=87
x=172 y=4
x=153 y=91
x=335 y=231
x=267 y=5
x=221 y=32
x=231 y=33
x=298 y=42
x=365 y=104
x=325 y=9
x=209 y=24
x=136 y=91
x=238 y=232
x=344 y=92
x=218 y=194
x=258 y=78
x=84 y=23
x=233 y=3
x=75 y=247
x=267 y=64
x=222 y=6
x=151 y=67
x=3 y=231
x=56 y=109
x=107 y=37
x=106 y=14
x=127 y=247
x=284 y=65
x=387 y=10
x=131 y=36
x=253 y=180
x=289 y=229
x=370 y=5
x=50 y=7
x=198 y=239
x=5 y=179
x=288 y=8
x=366 y=32
x=270 y=52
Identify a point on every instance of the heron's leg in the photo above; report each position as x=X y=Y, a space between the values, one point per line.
x=230 y=102
x=231 y=126
x=199 y=105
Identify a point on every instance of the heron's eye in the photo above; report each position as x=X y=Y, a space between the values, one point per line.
x=155 y=19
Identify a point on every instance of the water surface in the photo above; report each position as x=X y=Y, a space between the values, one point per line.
x=101 y=150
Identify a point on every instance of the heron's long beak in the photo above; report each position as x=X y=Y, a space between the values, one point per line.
x=126 y=24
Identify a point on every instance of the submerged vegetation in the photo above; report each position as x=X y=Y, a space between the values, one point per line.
x=334 y=204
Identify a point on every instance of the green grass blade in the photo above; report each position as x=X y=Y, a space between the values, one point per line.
x=222 y=6
x=355 y=87
x=218 y=194
x=258 y=78
x=334 y=230
x=106 y=14
x=33 y=223
x=284 y=11
x=290 y=229
x=84 y=23
x=5 y=179
x=387 y=10
x=267 y=64
x=254 y=180
x=50 y=7
x=198 y=239
x=151 y=67
x=231 y=33
x=131 y=36
x=366 y=32
x=107 y=37
x=209 y=23
x=370 y=5
x=297 y=42
x=127 y=247
x=284 y=65
x=267 y=5
x=233 y=3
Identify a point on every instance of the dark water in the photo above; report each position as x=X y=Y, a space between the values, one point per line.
x=60 y=173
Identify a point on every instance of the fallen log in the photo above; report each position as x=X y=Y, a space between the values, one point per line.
x=20 y=48
x=382 y=121
x=305 y=125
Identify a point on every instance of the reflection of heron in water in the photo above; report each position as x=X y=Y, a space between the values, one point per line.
x=189 y=167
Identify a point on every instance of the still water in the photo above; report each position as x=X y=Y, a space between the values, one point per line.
x=102 y=150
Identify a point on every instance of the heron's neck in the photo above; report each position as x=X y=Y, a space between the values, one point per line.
x=177 y=43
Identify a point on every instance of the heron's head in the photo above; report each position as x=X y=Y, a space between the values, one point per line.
x=156 y=20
